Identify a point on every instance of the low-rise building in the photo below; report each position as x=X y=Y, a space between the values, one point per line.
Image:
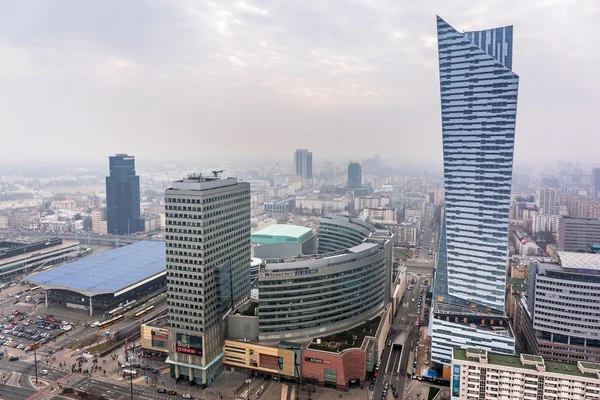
x=525 y=245
x=479 y=374
x=381 y=214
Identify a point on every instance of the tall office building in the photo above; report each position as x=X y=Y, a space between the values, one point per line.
x=595 y=183
x=354 y=175
x=545 y=200
x=479 y=104
x=123 y=196
x=208 y=269
x=303 y=163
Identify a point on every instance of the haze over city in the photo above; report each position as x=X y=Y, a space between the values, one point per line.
x=171 y=80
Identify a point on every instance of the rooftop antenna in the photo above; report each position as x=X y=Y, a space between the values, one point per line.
x=216 y=173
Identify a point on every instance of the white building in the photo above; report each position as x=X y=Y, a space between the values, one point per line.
x=334 y=204
x=545 y=200
x=380 y=214
x=543 y=223
x=478 y=374
x=370 y=202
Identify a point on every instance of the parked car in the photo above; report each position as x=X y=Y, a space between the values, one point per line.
x=161 y=390
x=172 y=392
x=13 y=358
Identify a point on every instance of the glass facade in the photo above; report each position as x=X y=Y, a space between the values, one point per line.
x=478 y=103
x=123 y=196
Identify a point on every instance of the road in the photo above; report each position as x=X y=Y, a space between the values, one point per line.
x=404 y=340
x=427 y=235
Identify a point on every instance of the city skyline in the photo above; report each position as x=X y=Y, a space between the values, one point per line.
x=150 y=79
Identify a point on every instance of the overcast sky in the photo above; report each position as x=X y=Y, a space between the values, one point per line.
x=348 y=78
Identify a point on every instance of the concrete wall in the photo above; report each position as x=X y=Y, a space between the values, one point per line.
x=278 y=250
x=240 y=327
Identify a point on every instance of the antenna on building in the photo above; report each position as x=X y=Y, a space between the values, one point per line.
x=216 y=173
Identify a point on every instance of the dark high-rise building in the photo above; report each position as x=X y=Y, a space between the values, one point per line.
x=303 y=163
x=123 y=196
x=596 y=183
x=354 y=175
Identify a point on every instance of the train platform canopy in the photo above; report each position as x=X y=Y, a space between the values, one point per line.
x=116 y=271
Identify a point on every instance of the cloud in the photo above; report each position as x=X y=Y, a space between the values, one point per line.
x=307 y=72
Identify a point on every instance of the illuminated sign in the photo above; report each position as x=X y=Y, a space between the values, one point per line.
x=188 y=344
x=316 y=360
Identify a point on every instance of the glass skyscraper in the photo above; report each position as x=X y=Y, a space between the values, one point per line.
x=479 y=103
x=123 y=196
x=479 y=107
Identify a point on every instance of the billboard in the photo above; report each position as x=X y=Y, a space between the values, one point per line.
x=188 y=344
x=456 y=381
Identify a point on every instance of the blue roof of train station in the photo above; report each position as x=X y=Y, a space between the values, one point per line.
x=106 y=272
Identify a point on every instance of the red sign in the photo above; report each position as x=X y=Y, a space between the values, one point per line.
x=186 y=350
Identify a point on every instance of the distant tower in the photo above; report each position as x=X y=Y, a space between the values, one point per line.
x=123 y=196
x=354 y=175
x=596 y=183
x=303 y=163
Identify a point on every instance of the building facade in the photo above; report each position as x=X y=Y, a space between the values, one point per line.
x=354 y=175
x=595 y=178
x=303 y=163
x=208 y=259
x=478 y=374
x=545 y=200
x=309 y=296
x=123 y=196
x=479 y=103
x=577 y=234
x=99 y=223
x=562 y=300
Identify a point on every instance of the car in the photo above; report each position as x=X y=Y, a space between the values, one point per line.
x=13 y=358
x=154 y=371
x=43 y=372
x=386 y=385
x=393 y=387
x=161 y=390
x=371 y=386
x=186 y=396
x=172 y=392
x=389 y=343
x=395 y=393
x=146 y=367
x=136 y=365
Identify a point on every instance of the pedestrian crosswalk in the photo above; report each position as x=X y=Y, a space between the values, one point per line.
x=14 y=379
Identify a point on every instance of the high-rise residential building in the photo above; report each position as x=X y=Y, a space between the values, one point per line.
x=99 y=223
x=208 y=269
x=479 y=374
x=545 y=200
x=595 y=178
x=123 y=196
x=354 y=175
x=577 y=234
x=303 y=163
x=479 y=103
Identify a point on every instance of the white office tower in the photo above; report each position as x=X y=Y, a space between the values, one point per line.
x=208 y=254
x=479 y=103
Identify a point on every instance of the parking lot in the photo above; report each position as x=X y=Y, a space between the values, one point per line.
x=23 y=332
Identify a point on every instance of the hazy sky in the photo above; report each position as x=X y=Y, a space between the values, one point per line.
x=83 y=79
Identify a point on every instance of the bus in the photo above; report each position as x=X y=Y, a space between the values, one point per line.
x=111 y=321
x=145 y=311
x=115 y=312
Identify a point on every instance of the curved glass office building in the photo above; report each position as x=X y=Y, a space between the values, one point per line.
x=315 y=295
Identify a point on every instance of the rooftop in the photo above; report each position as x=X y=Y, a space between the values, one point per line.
x=106 y=272
x=281 y=233
x=351 y=338
x=570 y=260
x=531 y=362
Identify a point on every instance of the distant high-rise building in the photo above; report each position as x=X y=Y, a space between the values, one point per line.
x=595 y=183
x=577 y=234
x=354 y=175
x=208 y=270
x=545 y=200
x=123 y=196
x=479 y=103
x=303 y=163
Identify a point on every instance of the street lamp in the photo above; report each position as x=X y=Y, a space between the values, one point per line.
x=248 y=381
